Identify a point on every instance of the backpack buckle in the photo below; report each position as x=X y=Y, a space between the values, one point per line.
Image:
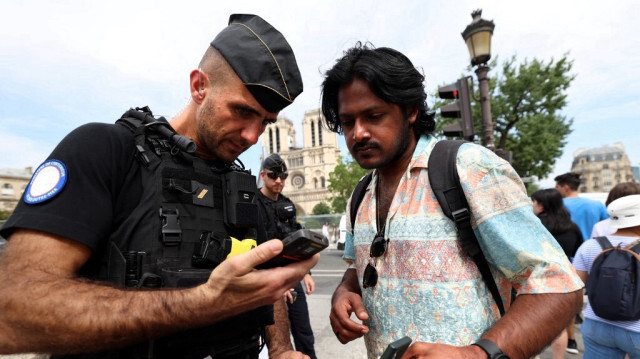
x=461 y=215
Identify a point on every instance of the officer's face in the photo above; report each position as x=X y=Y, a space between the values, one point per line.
x=272 y=185
x=377 y=132
x=229 y=121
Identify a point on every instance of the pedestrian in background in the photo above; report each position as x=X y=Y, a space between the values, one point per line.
x=603 y=228
x=585 y=213
x=548 y=206
x=607 y=338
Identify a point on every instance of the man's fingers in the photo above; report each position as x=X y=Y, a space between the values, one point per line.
x=258 y=255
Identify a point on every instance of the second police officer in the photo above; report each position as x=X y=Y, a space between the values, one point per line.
x=279 y=215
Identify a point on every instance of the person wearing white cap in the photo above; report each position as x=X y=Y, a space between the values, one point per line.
x=607 y=338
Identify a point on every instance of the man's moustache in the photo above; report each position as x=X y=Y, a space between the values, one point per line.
x=364 y=145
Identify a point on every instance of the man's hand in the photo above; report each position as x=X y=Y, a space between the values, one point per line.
x=237 y=286
x=443 y=351
x=288 y=296
x=309 y=284
x=343 y=326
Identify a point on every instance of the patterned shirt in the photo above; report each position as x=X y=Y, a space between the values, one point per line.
x=428 y=287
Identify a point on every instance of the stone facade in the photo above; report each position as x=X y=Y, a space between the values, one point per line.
x=602 y=168
x=309 y=166
x=12 y=184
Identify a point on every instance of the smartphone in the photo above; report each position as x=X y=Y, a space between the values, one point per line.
x=396 y=349
x=298 y=245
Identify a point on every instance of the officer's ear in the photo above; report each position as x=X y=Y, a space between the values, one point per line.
x=198 y=84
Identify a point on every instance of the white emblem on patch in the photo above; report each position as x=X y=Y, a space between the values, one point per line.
x=47 y=182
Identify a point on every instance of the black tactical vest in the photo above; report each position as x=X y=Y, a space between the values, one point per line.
x=180 y=230
x=281 y=215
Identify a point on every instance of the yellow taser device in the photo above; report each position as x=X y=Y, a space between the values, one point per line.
x=241 y=246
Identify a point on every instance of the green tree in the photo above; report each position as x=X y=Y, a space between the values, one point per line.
x=4 y=214
x=526 y=104
x=342 y=181
x=321 y=208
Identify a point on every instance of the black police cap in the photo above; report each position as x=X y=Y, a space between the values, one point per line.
x=274 y=163
x=262 y=59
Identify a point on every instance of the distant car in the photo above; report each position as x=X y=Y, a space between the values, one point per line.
x=343 y=232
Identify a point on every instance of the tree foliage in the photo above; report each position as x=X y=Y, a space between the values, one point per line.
x=342 y=181
x=321 y=208
x=526 y=106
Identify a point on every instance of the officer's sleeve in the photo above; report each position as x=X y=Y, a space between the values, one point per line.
x=98 y=159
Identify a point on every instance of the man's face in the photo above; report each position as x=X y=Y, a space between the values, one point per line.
x=273 y=185
x=563 y=189
x=229 y=121
x=376 y=132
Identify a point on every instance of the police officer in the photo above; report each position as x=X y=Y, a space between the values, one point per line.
x=279 y=214
x=118 y=247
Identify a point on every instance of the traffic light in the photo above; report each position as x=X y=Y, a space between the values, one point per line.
x=459 y=109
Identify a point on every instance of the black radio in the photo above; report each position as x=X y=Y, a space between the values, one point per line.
x=298 y=245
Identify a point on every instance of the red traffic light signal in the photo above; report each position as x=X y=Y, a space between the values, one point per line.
x=459 y=109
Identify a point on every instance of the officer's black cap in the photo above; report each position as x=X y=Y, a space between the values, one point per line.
x=262 y=59
x=274 y=163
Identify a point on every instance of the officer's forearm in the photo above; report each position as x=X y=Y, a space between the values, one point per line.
x=45 y=308
x=53 y=315
x=278 y=334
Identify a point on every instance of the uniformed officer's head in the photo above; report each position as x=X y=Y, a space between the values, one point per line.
x=273 y=174
x=246 y=76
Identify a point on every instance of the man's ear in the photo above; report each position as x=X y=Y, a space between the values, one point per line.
x=412 y=114
x=198 y=84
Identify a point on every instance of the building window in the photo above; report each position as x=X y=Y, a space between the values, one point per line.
x=605 y=166
x=296 y=162
x=270 y=140
x=315 y=183
x=322 y=181
x=319 y=135
x=278 y=140
x=313 y=134
x=7 y=189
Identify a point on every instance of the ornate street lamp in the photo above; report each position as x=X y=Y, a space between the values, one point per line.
x=477 y=35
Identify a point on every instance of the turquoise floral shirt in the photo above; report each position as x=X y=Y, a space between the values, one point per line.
x=428 y=287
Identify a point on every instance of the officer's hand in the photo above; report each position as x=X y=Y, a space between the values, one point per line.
x=442 y=351
x=309 y=284
x=345 y=328
x=235 y=286
x=291 y=355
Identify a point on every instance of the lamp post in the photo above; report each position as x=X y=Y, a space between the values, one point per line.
x=477 y=35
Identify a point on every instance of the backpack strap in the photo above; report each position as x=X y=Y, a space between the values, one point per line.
x=357 y=196
x=445 y=183
x=604 y=242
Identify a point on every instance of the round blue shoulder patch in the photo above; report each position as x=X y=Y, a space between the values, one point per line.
x=47 y=182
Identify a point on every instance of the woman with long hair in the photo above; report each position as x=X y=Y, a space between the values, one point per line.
x=548 y=206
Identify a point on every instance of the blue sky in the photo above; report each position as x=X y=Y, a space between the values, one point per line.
x=66 y=63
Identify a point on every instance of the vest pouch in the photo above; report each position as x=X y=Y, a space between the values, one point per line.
x=239 y=190
x=184 y=277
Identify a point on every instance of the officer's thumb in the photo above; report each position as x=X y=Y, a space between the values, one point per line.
x=264 y=252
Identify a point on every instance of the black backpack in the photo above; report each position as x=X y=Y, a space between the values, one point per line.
x=445 y=183
x=612 y=284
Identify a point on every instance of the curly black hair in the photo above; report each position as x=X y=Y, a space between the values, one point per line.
x=390 y=75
